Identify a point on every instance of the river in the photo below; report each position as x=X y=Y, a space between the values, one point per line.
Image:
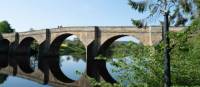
x=69 y=66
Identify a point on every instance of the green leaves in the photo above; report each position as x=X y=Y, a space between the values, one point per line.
x=181 y=11
x=186 y=5
x=144 y=65
x=3 y=78
x=185 y=56
x=137 y=23
x=74 y=48
x=5 y=27
x=139 y=6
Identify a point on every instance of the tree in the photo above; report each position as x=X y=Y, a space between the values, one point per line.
x=197 y=2
x=3 y=78
x=31 y=29
x=175 y=13
x=145 y=66
x=5 y=27
x=180 y=11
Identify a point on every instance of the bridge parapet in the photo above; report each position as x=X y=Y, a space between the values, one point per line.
x=85 y=34
x=73 y=29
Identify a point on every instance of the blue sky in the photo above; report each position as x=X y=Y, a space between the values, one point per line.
x=41 y=14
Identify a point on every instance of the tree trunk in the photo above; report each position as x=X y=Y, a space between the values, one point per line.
x=167 y=78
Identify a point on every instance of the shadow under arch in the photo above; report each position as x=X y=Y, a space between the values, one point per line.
x=4 y=50
x=97 y=68
x=23 y=54
x=102 y=63
x=54 y=61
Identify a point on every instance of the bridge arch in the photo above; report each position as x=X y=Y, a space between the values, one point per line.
x=23 y=54
x=104 y=46
x=107 y=42
x=54 y=61
x=55 y=44
x=39 y=35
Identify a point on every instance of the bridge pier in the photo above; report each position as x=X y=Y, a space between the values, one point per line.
x=43 y=53
x=96 y=68
x=12 y=49
x=43 y=62
x=23 y=55
x=91 y=65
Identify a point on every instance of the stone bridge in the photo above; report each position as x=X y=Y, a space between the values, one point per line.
x=15 y=50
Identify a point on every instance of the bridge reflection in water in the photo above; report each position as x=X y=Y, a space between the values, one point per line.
x=39 y=77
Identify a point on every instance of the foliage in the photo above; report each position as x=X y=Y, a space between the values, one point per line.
x=144 y=68
x=185 y=56
x=181 y=11
x=3 y=78
x=198 y=6
x=34 y=48
x=117 y=50
x=94 y=83
x=5 y=27
x=74 y=48
x=141 y=69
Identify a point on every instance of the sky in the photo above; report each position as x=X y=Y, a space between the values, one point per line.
x=42 y=14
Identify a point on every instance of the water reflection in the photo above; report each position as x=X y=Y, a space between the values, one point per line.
x=72 y=67
x=12 y=81
x=68 y=64
x=33 y=62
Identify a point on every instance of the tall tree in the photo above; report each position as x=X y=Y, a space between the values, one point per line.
x=3 y=78
x=5 y=27
x=180 y=11
x=175 y=12
x=197 y=2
